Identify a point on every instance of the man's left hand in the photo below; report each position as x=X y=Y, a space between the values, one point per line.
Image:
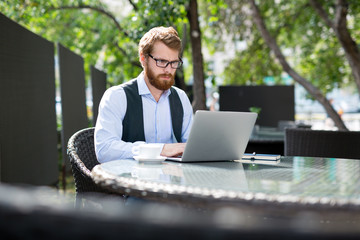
x=173 y=149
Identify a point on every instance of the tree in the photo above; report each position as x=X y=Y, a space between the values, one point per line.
x=318 y=59
x=90 y=29
x=198 y=63
x=85 y=27
x=340 y=27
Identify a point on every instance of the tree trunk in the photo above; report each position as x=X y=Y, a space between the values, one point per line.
x=339 y=25
x=179 y=77
x=198 y=67
x=314 y=91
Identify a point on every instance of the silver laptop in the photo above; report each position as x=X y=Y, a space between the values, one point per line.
x=218 y=136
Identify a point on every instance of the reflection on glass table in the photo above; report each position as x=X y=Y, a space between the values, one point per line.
x=303 y=180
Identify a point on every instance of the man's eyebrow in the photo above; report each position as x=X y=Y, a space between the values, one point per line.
x=162 y=59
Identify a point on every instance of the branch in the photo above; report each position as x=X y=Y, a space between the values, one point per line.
x=133 y=5
x=97 y=9
x=108 y=14
x=340 y=14
x=322 y=13
x=314 y=91
x=134 y=63
x=270 y=41
x=339 y=25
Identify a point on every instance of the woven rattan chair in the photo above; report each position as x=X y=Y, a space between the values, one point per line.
x=81 y=152
x=321 y=143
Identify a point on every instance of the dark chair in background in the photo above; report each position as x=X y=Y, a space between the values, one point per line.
x=321 y=143
x=81 y=152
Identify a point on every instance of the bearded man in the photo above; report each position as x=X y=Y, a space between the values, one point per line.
x=147 y=109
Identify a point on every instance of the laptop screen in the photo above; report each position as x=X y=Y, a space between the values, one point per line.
x=218 y=136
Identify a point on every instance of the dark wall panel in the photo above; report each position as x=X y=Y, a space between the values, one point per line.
x=73 y=99
x=276 y=102
x=28 y=138
x=98 y=85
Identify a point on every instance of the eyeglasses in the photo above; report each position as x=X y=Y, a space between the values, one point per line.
x=164 y=63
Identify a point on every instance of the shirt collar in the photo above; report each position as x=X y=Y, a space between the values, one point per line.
x=143 y=88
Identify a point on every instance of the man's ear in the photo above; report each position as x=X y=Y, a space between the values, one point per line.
x=142 y=59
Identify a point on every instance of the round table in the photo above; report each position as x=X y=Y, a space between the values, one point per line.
x=291 y=182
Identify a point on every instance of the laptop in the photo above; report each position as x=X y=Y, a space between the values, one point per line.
x=218 y=136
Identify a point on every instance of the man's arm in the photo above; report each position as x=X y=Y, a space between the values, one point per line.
x=109 y=129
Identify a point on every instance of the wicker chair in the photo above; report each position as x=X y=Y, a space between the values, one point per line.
x=81 y=152
x=320 y=143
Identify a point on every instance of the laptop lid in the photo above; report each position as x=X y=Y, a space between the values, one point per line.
x=218 y=136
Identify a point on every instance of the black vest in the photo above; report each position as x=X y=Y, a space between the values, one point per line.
x=133 y=123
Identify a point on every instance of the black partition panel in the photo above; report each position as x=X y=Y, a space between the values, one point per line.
x=276 y=102
x=73 y=99
x=98 y=85
x=28 y=137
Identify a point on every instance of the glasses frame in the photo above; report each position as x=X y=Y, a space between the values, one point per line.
x=180 y=62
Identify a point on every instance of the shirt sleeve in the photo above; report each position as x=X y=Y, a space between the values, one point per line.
x=109 y=128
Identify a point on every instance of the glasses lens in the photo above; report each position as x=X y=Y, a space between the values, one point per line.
x=176 y=64
x=161 y=63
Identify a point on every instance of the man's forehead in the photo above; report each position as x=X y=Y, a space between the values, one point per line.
x=164 y=52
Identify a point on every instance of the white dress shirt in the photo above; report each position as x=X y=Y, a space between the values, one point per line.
x=157 y=121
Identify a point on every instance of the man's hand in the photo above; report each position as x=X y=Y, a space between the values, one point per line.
x=173 y=149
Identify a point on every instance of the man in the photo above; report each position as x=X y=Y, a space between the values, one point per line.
x=146 y=109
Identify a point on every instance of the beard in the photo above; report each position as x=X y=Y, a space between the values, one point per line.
x=156 y=80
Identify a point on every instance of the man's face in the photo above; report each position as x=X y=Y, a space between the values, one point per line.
x=161 y=78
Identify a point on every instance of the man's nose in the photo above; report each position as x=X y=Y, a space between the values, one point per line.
x=168 y=68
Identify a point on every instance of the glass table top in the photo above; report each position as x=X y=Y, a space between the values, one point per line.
x=297 y=176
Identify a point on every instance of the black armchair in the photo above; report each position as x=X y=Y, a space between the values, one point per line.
x=321 y=143
x=81 y=152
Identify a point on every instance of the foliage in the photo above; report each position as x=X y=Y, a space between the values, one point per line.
x=255 y=109
x=252 y=65
x=88 y=33
x=317 y=54
x=89 y=28
x=108 y=38
x=312 y=48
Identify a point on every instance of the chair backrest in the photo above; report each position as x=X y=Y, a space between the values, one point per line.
x=81 y=151
x=321 y=143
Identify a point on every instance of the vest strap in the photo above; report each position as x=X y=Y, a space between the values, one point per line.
x=177 y=113
x=133 y=123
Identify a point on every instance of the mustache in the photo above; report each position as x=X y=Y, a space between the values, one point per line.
x=165 y=75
